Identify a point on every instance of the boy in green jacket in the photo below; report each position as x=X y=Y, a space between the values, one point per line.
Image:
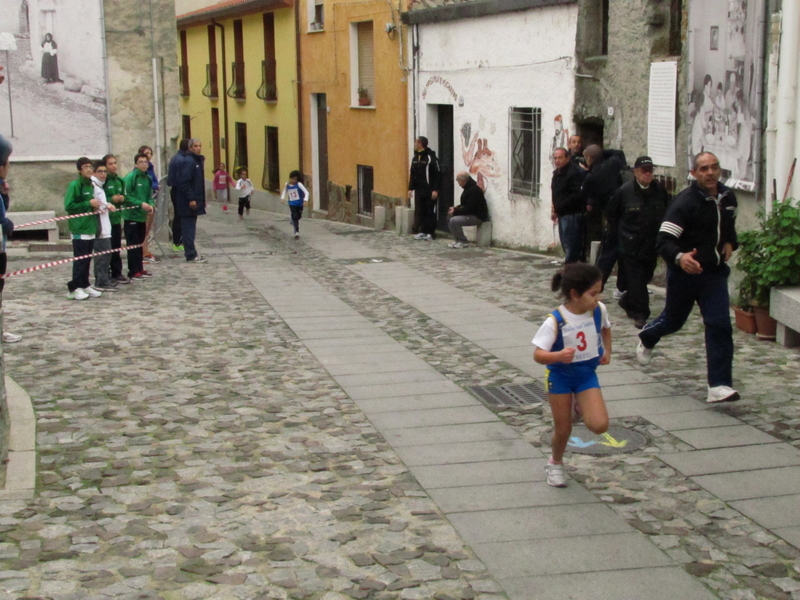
x=139 y=190
x=83 y=230
x=115 y=192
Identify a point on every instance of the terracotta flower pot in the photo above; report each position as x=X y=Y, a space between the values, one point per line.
x=363 y=101
x=767 y=326
x=745 y=320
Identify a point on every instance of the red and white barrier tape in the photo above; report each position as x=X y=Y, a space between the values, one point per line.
x=87 y=214
x=66 y=260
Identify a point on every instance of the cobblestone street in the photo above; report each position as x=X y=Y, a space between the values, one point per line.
x=192 y=443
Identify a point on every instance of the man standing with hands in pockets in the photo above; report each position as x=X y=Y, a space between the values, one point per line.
x=696 y=240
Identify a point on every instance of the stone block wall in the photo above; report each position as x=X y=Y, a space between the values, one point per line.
x=344 y=207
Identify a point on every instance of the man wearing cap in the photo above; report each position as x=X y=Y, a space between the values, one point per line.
x=635 y=214
x=696 y=240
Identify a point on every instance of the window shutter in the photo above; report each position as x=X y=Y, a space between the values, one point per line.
x=366 y=58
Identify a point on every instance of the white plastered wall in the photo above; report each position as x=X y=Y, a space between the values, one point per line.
x=483 y=67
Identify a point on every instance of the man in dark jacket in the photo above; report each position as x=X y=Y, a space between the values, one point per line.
x=568 y=207
x=423 y=186
x=172 y=171
x=635 y=214
x=696 y=240
x=190 y=196
x=471 y=212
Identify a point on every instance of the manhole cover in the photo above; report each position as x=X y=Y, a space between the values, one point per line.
x=617 y=440
x=365 y=261
x=509 y=395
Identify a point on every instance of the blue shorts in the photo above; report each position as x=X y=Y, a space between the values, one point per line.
x=572 y=380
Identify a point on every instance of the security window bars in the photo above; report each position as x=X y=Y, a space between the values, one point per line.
x=525 y=129
x=240 y=160
x=271 y=177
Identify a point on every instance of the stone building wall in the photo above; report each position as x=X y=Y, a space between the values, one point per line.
x=344 y=207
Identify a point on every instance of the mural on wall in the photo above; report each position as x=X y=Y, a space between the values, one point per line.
x=726 y=83
x=53 y=102
x=479 y=160
x=560 y=137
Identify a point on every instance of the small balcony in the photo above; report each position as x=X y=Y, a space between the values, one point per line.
x=236 y=89
x=269 y=88
x=211 y=90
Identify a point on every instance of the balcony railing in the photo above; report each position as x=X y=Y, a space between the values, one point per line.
x=236 y=89
x=212 y=89
x=183 y=78
x=268 y=90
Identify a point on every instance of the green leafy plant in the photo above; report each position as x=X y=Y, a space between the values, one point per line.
x=363 y=92
x=770 y=255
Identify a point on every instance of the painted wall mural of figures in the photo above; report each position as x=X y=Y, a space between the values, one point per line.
x=479 y=160
x=726 y=80
x=560 y=137
x=58 y=86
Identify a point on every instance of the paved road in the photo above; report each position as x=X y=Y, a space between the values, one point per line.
x=290 y=420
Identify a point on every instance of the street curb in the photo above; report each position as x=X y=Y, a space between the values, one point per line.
x=21 y=465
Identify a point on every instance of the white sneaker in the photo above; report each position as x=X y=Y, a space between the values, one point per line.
x=297 y=235
x=420 y=236
x=92 y=293
x=721 y=393
x=10 y=338
x=458 y=245
x=198 y=259
x=643 y=355
x=78 y=294
x=428 y=237
x=555 y=475
x=618 y=294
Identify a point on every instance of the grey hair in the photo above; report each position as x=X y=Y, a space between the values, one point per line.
x=696 y=158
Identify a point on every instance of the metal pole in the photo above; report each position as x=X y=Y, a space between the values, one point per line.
x=10 y=108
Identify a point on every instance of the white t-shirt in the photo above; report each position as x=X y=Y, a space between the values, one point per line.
x=105 y=222
x=579 y=332
x=245 y=187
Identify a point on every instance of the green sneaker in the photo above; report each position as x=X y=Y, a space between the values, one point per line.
x=177 y=248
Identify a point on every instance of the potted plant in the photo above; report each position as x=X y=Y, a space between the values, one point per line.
x=363 y=97
x=769 y=257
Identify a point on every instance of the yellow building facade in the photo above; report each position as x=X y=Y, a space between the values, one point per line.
x=239 y=97
x=354 y=94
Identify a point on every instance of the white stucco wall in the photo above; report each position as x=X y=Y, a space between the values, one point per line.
x=522 y=59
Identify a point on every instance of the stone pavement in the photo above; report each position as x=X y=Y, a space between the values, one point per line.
x=291 y=420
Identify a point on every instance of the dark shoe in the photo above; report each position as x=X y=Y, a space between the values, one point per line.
x=122 y=279
x=639 y=323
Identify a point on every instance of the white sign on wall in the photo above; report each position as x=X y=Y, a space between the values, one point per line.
x=661 y=114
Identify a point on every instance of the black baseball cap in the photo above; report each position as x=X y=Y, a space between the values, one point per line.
x=643 y=161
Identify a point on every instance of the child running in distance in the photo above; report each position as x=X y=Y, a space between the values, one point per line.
x=221 y=183
x=245 y=187
x=298 y=197
x=574 y=339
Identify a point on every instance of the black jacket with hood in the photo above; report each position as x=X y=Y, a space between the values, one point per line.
x=473 y=202
x=424 y=171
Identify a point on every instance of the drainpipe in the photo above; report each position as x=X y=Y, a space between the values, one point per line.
x=300 y=146
x=770 y=134
x=156 y=101
x=109 y=138
x=224 y=90
x=787 y=94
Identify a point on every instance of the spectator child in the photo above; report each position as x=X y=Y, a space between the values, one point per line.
x=83 y=230
x=574 y=339
x=138 y=195
x=102 y=264
x=297 y=197
x=114 y=188
x=151 y=173
x=245 y=187
x=221 y=183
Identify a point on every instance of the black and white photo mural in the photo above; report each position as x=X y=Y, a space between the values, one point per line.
x=725 y=78
x=53 y=103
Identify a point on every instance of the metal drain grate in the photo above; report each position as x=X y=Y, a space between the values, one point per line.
x=510 y=395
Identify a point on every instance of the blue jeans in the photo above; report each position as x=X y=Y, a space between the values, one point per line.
x=570 y=232
x=710 y=290
x=188 y=233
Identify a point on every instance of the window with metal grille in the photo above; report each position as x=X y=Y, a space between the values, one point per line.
x=236 y=89
x=186 y=127
x=272 y=175
x=269 y=84
x=240 y=160
x=212 y=89
x=525 y=136
x=365 y=179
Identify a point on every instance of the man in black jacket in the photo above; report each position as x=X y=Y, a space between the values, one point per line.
x=568 y=207
x=423 y=186
x=471 y=212
x=696 y=240
x=190 y=196
x=634 y=215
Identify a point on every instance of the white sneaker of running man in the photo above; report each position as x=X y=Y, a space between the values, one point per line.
x=721 y=393
x=555 y=475
x=643 y=355
x=10 y=338
x=92 y=293
x=618 y=294
x=420 y=236
x=77 y=294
